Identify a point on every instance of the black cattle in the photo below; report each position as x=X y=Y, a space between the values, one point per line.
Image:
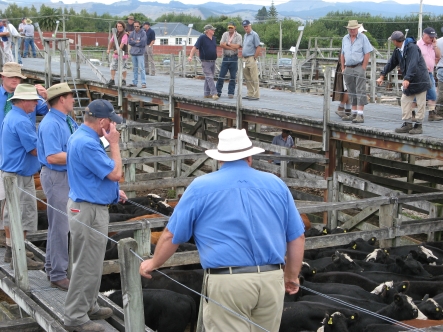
x=431 y=309
x=312 y=232
x=337 y=322
x=403 y=308
x=340 y=300
x=346 y=278
x=354 y=254
x=378 y=256
x=383 y=293
x=307 y=271
x=116 y=217
x=362 y=245
x=305 y=316
x=190 y=278
x=421 y=253
x=341 y=262
x=438 y=298
x=164 y=311
x=407 y=266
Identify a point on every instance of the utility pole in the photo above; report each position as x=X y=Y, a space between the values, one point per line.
x=64 y=29
x=420 y=18
x=280 y=52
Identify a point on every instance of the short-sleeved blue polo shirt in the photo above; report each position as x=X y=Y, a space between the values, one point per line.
x=53 y=134
x=207 y=48
x=239 y=216
x=18 y=138
x=88 y=168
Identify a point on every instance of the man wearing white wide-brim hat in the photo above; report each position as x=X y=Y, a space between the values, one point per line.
x=354 y=59
x=243 y=221
x=18 y=150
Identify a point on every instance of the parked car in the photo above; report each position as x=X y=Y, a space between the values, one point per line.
x=166 y=62
x=285 y=62
x=95 y=62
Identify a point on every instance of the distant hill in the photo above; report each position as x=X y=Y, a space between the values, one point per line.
x=298 y=9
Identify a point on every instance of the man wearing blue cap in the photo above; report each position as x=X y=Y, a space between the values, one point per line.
x=250 y=52
x=93 y=180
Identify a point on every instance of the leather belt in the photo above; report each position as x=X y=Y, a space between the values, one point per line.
x=244 y=269
x=353 y=66
x=245 y=57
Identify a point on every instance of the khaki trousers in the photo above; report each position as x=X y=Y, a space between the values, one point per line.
x=256 y=296
x=250 y=73
x=407 y=105
x=88 y=251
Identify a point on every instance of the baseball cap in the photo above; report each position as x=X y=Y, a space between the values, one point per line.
x=430 y=31
x=397 y=36
x=209 y=27
x=147 y=23
x=130 y=17
x=231 y=25
x=245 y=23
x=103 y=109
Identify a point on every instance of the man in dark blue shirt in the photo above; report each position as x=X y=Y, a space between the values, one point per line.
x=149 y=53
x=207 y=48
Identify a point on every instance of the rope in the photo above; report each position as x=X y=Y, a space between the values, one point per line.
x=141 y=259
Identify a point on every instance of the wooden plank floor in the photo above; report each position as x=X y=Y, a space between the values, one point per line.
x=380 y=119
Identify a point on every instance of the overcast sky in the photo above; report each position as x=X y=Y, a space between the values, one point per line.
x=266 y=3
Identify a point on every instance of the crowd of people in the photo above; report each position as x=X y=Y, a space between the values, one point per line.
x=23 y=36
x=416 y=60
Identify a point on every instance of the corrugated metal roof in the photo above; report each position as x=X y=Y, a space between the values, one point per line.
x=173 y=30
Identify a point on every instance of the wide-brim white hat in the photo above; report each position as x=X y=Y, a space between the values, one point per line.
x=233 y=144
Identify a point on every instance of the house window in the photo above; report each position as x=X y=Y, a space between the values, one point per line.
x=190 y=41
x=178 y=41
x=164 y=41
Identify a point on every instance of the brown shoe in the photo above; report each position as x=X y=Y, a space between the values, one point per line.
x=434 y=117
x=61 y=284
x=417 y=129
x=349 y=117
x=215 y=97
x=405 y=128
x=32 y=264
x=102 y=313
x=359 y=119
x=340 y=112
x=86 y=327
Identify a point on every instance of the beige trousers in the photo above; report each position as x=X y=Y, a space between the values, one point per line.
x=250 y=73
x=407 y=105
x=256 y=296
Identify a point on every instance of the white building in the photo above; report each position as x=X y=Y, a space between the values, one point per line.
x=174 y=34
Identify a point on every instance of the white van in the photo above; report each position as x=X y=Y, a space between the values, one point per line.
x=95 y=62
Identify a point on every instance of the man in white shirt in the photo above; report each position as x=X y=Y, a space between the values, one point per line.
x=10 y=45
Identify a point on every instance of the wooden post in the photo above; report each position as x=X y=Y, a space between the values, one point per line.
x=143 y=239
x=48 y=71
x=62 y=61
x=410 y=179
x=283 y=164
x=171 y=86
x=178 y=151
x=15 y=221
x=239 y=115
x=77 y=59
x=131 y=286
x=334 y=198
x=326 y=109
x=373 y=76
x=386 y=219
x=129 y=169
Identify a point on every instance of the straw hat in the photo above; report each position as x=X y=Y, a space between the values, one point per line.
x=233 y=144
x=25 y=92
x=28 y=21
x=12 y=69
x=353 y=24
x=58 y=90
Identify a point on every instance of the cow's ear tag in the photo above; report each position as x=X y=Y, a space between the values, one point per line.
x=404 y=286
x=325 y=231
x=344 y=231
x=330 y=321
x=437 y=309
x=354 y=246
x=352 y=317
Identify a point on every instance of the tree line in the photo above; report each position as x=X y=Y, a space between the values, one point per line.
x=267 y=24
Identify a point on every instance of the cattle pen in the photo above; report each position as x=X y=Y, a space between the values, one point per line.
x=169 y=125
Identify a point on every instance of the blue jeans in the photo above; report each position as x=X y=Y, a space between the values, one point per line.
x=29 y=41
x=138 y=62
x=229 y=63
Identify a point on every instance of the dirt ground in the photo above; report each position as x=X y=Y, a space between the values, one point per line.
x=6 y=298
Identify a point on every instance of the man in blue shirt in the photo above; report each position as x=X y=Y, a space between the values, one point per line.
x=283 y=140
x=206 y=45
x=354 y=59
x=137 y=41
x=250 y=52
x=53 y=134
x=243 y=222
x=18 y=157
x=93 y=181
x=149 y=53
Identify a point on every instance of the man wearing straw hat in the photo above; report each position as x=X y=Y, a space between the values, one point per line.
x=53 y=134
x=93 y=181
x=243 y=221
x=18 y=156
x=354 y=59
x=28 y=31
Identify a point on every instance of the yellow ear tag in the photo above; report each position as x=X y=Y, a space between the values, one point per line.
x=437 y=309
x=352 y=317
x=404 y=286
x=354 y=246
x=325 y=231
x=330 y=321
x=345 y=231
